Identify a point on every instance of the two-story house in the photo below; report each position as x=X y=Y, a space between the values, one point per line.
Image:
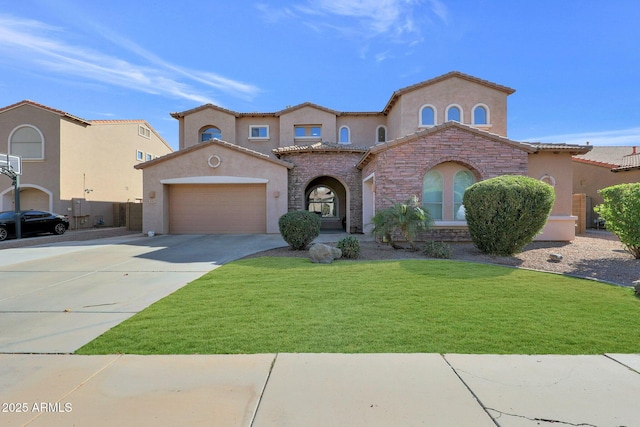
x=239 y=172
x=69 y=164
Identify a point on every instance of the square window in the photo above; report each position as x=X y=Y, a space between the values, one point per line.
x=149 y=157
x=259 y=132
x=139 y=155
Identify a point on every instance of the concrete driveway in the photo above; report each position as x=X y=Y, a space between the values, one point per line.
x=57 y=297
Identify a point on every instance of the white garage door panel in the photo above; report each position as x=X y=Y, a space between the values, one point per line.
x=217 y=209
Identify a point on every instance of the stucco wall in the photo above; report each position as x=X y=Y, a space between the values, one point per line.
x=557 y=166
x=363 y=128
x=404 y=117
x=194 y=163
x=207 y=117
x=308 y=166
x=42 y=174
x=306 y=116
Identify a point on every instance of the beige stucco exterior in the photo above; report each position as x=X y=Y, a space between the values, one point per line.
x=210 y=163
x=91 y=160
x=364 y=172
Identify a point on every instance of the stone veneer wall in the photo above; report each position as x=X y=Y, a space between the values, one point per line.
x=400 y=169
x=339 y=165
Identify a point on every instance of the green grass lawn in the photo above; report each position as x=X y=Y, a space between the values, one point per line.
x=268 y=305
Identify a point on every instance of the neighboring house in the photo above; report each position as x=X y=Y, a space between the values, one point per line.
x=69 y=164
x=600 y=168
x=239 y=172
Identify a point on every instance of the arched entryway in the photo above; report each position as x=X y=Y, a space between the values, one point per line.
x=327 y=197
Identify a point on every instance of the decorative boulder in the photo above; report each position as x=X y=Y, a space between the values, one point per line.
x=324 y=254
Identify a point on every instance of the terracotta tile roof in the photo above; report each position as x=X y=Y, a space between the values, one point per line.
x=616 y=158
x=44 y=107
x=397 y=94
x=524 y=146
x=572 y=148
x=214 y=141
x=116 y=122
x=392 y=101
x=319 y=147
x=629 y=162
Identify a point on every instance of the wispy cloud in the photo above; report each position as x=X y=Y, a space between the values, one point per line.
x=35 y=43
x=605 y=138
x=395 y=21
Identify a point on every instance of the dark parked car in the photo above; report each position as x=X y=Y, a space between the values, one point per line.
x=32 y=222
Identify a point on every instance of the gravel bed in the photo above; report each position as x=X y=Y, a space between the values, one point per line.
x=598 y=256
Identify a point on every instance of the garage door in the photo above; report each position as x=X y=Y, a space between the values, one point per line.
x=217 y=209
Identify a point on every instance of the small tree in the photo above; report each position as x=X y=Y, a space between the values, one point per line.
x=621 y=213
x=406 y=218
x=299 y=228
x=505 y=213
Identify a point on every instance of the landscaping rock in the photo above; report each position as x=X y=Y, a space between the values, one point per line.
x=324 y=254
x=555 y=257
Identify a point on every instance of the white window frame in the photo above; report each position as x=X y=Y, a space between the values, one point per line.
x=139 y=155
x=263 y=138
x=446 y=113
x=10 y=142
x=144 y=131
x=348 y=141
x=473 y=115
x=435 y=116
x=149 y=157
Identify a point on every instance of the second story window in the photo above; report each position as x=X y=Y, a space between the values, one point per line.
x=258 y=132
x=27 y=141
x=344 y=136
x=308 y=131
x=381 y=134
x=210 y=133
x=427 y=116
x=480 y=115
x=454 y=114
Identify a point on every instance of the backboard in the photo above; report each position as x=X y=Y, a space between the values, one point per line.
x=12 y=163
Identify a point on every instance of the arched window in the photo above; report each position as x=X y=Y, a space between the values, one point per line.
x=432 y=194
x=480 y=115
x=27 y=142
x=454 y=114
x=461 y=181
x=344 y=135
x=427 y=116
x=381 y=134
x=210 y=133
x=322 y=201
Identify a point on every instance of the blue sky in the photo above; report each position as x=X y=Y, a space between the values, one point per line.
x=575 y=64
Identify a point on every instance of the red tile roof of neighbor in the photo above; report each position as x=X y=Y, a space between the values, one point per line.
x=616 y=158
x=44 y=107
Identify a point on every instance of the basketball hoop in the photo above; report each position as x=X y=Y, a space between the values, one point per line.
x=10 y=165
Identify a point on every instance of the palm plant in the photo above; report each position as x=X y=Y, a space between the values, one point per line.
x=406 y=218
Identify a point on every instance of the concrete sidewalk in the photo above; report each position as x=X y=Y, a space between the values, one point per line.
x=320 y=390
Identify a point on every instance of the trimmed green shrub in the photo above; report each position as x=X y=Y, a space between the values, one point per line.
x=505 y=213
x=405 y=218
x=299 y=228
x=434 y=249
x=350 y=247
x=621 y=213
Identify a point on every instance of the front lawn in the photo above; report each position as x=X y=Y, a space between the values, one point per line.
x=269 y=305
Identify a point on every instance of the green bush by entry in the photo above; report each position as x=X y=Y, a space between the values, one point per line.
x=506 y=213
x=299 y=228
x=621 y=212
x=350 y=247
